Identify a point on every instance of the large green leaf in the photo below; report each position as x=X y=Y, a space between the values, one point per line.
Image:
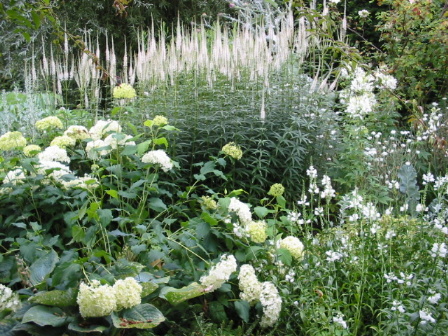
x=42 y=267
x=57 y=298
x=176 y=296
x=7 y=326
x=142 y=316
x=45 y=316
x=242 y=308
x=86 y=326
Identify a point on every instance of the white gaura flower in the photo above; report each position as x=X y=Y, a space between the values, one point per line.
x=219 y=274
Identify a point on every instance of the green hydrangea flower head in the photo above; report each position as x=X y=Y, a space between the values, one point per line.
x=48 y=123
x=276 y=190
x=124 y=91
x=12 y=140
x=232 y=150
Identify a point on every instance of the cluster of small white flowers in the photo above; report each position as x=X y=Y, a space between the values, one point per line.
x=241 y=209
x=363 y=13
x=361 y=105
x=339 y=319
x=86 y=182
x=385 y=81
x=428 y=178
x=54 y=153
x=103 y=127
x=370 y=212
x=293 y=245
x=404 y=279
x=441 y=182
x=97 y=148
x=8 y=299
x=311 y=172
x=333 y=255
x=290 y=276
x=219 y=274
x=158 y=157
x=303 y=201
x=397 y=306
x=15 y=176
x=77 y=132
x=439 y=250
x=271 y=302
x=359 y=96
x=57 y=170
x=319 y=211
x=118 y=139
x=249 y=285
x=434 y=298
x=98 y=300
x=294 y=217
x=425 y=317
x=328 y=191
x=127 y=293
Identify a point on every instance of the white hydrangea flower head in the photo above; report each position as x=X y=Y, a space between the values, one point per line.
x=241 y=209
x=272 y=304
x=15 y=176
x=127 y=293
x=249 y=285
x=96 y=300
x=293 y=245
x=86 y=182
x=63 y=141
x=118 y=139
x=124 y=91
x=8 y=299
x=92 y=149
x=77 y=132
x=158 y=157
x=103 y=127
x=58 y=169
x=54 y=153
x=220 y=273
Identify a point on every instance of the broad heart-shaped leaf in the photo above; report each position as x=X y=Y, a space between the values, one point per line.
x=7 y=326
x=45 y=316
x=143 y=316
x=176 y=296
x=85 y=326
x=56 y=298
x=42 y=267
x=242 y=308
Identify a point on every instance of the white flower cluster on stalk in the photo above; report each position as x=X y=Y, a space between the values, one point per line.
x=220 y=273
x=359 y=96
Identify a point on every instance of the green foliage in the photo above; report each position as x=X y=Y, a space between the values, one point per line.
x=414 y=36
